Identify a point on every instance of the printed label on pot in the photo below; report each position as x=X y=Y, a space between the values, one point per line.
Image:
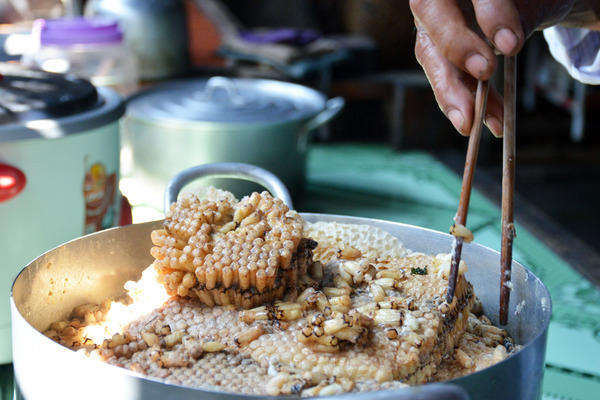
x=99 y=193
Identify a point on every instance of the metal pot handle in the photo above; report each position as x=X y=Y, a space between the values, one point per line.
x=332 y=108
x=227 y=170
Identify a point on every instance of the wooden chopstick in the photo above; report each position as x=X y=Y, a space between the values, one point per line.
x=508 y=184
x=465 y=194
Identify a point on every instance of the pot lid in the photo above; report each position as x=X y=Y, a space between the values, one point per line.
x=27 y=95
x=226 y=100
x=41 y=105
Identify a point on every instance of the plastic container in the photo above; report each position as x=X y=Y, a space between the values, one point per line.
x=91 y=48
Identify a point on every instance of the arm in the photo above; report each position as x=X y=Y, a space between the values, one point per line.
x=457 y=41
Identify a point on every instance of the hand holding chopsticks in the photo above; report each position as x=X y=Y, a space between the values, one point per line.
x=458 y=230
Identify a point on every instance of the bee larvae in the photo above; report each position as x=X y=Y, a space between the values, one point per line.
x=446 y=308
x=317 y=320
x=391 y=333
x=337 y=291
x=343 y=300
x=261 y=281
x=390 y=273
x=251 y=219
x=250 y=335
x=388 y=317
x=173 y=359
x=116 y=340
x=275 y=384
x=305 y=333
x=499 y=353
x=377 y=292
x=307 y=298
x=287 y=311
x=331 y=326
x=350 y=253
x=463 y=358
x=318 y=331
x=411 y=304
x=227 y=277
x=368 y=309
x=343 y=277
x=385 y=283
x=331 y=390
x=211 y=278
x=461 y=231
x=316 y=271
x=194 y=347
x=189 y=280
x=322 y=301
x=213 y=347
x=350 y=334
x=328 y=340
x=255 y=314
x=485 y=330
x=174 y=338
x=164 y=330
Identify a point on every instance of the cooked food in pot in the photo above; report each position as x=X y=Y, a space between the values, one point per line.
x=257 y=301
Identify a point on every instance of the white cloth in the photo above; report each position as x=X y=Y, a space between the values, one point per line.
x=578 y=50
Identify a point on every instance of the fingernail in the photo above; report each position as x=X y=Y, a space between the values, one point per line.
x=456 y=118
x=494 y=125
x=506 y=41
x=476 y=64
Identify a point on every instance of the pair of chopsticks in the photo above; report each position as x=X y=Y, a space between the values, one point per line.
x=508 y=177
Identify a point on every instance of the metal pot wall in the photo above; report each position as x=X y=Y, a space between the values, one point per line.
x=59 y=165
x=95 y=267
x=261 y=122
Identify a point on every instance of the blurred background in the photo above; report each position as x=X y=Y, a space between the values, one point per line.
x=358 y=50
x=363 y=51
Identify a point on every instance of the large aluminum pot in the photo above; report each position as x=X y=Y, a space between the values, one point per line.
x=95 y=267
x=174 y=126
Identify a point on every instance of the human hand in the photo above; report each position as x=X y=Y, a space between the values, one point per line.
x=457 y=42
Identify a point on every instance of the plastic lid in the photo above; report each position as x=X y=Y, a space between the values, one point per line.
x=77 y=30
x=37 y=104
x=27 y=95
x=226 y=100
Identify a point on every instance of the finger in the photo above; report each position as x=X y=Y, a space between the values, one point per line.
x=453 y=96
x=494 y=112
x=446 y=25
x=500 y=22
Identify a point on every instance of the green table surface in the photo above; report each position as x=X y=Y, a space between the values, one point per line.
x=413 y=187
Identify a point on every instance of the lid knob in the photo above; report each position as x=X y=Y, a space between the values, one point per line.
x=228 y=85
